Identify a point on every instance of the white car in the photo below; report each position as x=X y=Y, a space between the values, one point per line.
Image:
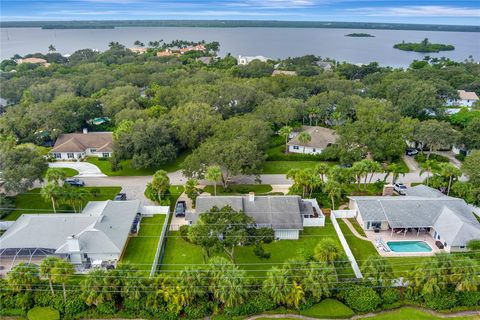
x=400 y=188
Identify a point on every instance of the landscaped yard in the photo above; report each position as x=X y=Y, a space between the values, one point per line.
x=43 y=313
x=128 y=170
x=282 y=167
x=141 y=249
x=69 y=172
x=328 y=308
x=414 y=314
x=178 y=251
x=32 y=201
x=240 y=189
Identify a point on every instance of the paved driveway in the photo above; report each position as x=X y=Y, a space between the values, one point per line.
x=85 y=169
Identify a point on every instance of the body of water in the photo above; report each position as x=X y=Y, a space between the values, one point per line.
x=269 y=42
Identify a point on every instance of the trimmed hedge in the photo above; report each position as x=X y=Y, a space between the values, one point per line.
x=422 y=157
x=362 y=299
x=43 y=313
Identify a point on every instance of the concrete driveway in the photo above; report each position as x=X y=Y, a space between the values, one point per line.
x=85 y=169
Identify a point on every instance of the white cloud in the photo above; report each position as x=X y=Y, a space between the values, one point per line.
x=417 y=11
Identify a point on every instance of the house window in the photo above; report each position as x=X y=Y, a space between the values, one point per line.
x=93 y=150
x=462 y=247
x=57 y=155
x=295 y=148
x=314 y=150
x=70 y=155
x=105 y=154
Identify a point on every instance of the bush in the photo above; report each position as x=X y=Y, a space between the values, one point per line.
x=390 y=296
x=184 y=232
x=74 y=305
x=95 y=192
x=265 y=235
x=43 y=313
x=277 y=154
x=441 y=301
x=460 y=157
x=107 y=307
x=468 y=299
x=256 y=304
x=362 y=299
x=46 y=299
x=260 y=252
x=200 y=310
x=7 y=205
x=422 y=157
x=24 y=300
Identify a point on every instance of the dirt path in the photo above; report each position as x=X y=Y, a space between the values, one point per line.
x=354 y=231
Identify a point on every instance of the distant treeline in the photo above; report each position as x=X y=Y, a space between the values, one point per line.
x=231 y=24
x=359 y=35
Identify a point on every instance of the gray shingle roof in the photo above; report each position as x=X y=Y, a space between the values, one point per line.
x=320 y=137
x=279 y=212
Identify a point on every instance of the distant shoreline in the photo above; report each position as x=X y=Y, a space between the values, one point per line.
x=111 y=24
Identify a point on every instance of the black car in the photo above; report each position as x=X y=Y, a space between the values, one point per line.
x=120 y=197
x=180 y=209
x=411 y=152
x=74 y=182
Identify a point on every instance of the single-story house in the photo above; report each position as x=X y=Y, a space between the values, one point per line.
x=166 y=53
x=244 y=60
x=73 y=146
x=138 y=50
x=320 y=138
x=447 y=219
x=465 y=99
x=98 y=233
x=286 y=215
x=33 y=60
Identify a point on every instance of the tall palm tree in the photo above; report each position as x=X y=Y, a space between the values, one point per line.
x=334 y=190
x=274 y=285
x=75 y=197
x=53 y=192
x=303 y=138
x=295 y=295
x=227 y=282
x=378 y=271
x=61 y=272
x=428 y=166
x=465 y=275
x=359 y=169
x=95 y=288
x=450 y=172
x=55 y=175
x=318 y=279
x=23 y=277
x=51 y=48
x=395 y=170
x=322 y=169
x=285 y=133
x=214 y=174
x=46 y=267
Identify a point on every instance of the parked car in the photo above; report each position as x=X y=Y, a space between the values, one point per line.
x=400 y=188
x=120 y=197
x=180 y=209
x=411 y=152
x=74 y=182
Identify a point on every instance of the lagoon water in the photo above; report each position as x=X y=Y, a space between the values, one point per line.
x=270 y=42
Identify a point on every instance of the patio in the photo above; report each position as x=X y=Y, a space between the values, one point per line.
x=388 y=235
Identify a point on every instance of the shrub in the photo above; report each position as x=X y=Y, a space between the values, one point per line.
x=200 y=310
x=362 y=299
x=74 y=305
x=460 y=157
x=95 y=192
x=260 y=252
x=43 y=313
x=46 y=299
x=265 y=235
x=468 y=299
x=422 y=157
x=441 y=301
x=256 y=304
x=107 y=307
x=390 y=296
x=24 y=300
x=7 y=205
x=184 y=232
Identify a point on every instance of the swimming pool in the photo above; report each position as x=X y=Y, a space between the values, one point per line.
x=409 y=246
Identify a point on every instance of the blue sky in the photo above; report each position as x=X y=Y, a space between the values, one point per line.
x=406 y=11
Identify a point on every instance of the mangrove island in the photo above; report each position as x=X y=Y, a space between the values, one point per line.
x=360 y=35
x=423 y=46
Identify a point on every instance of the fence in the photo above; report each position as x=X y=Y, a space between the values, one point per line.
x=344 y=214
x=345 y=246
x=160 y=246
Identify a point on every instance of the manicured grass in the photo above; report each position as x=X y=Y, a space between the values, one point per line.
x=32 y=201
x=141 y=249
x=357 y=226
x=69 y=172
x=128 y=170
x=240 y=189
x=413 y=314
x=328 y=308
x=178 y=251
x=282 y=167
x=363 y=249
x=43 y=313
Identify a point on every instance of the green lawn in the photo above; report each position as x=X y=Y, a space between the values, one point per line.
x=413 y=314
x=128 y=170
x=357 y=226
x=178 y=251
x=141 y=250
x=32 y=201
x=281 y=167
x=328 y=308
x=363 y=249
x=43 y=313
x=240 y=189
x=69 y=172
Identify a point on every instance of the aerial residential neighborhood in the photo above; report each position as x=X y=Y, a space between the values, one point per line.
x=278 y=169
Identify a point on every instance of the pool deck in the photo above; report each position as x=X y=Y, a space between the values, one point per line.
x=410 y=236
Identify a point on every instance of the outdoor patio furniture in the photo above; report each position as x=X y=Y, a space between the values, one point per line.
x=439 y=244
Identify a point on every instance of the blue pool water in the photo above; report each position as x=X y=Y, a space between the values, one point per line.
x=409 y=246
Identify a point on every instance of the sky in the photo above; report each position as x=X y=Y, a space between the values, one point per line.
x=405 y=11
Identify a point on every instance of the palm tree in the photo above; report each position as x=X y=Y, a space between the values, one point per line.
x=51 y=48
x=327 y=250
x=395 y=170
x=322 y=169
x=465 y=275
x=428 y=166
x=295 y=295
x=449 y=171
x=318 y=279
x=303 y=138
x=359 y=169
x=46 y=267
x=75 y=197
x=334 y=190
x=61 y=272
x=227 y=282
x=138 y=43
x=95 y=288
x=51 y=191
x=378 y=271
x=285 y=133
x=23 y=277
x=274 y=285
x=191 y=190
x=372 y=167
x=214 y=174
x=55 y=175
